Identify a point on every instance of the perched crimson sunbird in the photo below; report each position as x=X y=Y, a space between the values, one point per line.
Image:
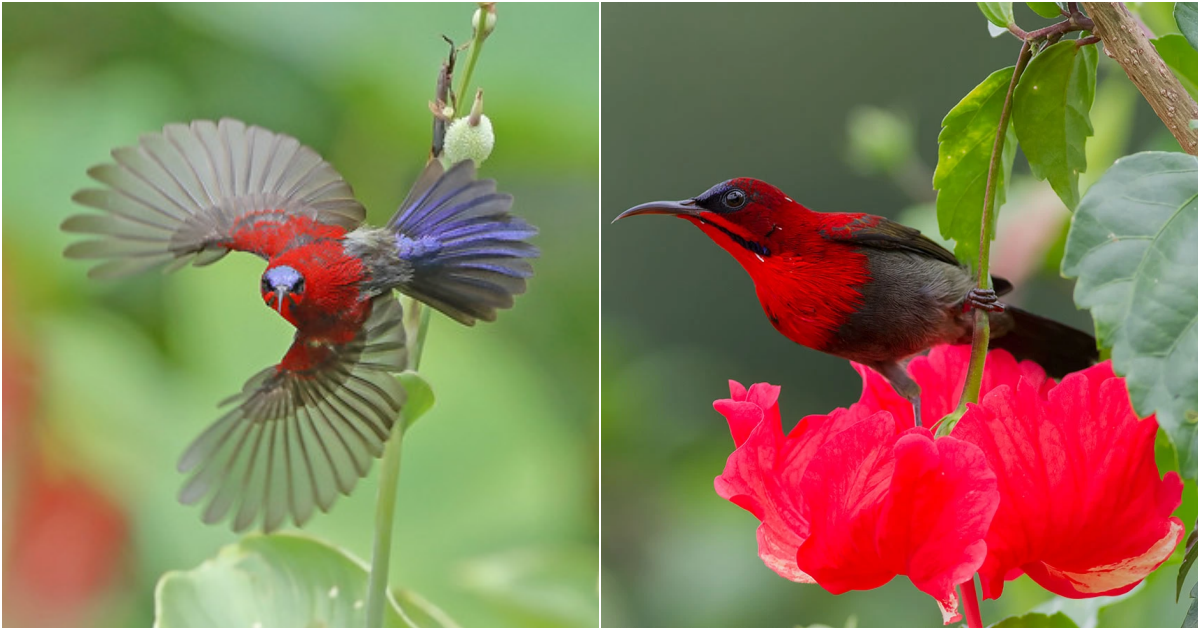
x=309 y=427
x=864 y=288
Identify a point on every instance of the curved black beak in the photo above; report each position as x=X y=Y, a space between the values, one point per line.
x=687 y=206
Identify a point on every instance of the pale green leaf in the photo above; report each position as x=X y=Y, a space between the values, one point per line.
x=1189 y=559
x=1185 y=18
x=1050 y=115
x=1037 y=620
x=276 y=581
x=1189 y=620
x=1085 y=612
x=1045 y=9
x=1132 y=244
x=1180 y=57
x=964 y=152
x=422 y=612
x=998 y=13
x=420 y=396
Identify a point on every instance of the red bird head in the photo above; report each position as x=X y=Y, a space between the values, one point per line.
x=314 y=286
x=747 y=217
x=807 y=284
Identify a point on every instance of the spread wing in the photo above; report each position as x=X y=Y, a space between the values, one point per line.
x=302 y=433
x=195 y=192
x=873 y=231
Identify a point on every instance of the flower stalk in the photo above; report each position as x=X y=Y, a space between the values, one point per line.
x=971 y=604
x=481 y=32
x=416 y=324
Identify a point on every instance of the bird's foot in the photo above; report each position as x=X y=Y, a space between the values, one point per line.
x=984 y=300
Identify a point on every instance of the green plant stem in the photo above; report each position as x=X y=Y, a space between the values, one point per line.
x=461 y=96
x=979 y=341
x=416 y=324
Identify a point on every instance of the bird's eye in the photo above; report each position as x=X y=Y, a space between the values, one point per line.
x=266 y=285
x=299 y=286
x=734 y=199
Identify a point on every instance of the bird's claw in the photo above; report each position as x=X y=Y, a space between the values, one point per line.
x=983 y=299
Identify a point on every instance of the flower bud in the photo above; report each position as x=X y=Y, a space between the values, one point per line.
x=485 y=17
x=470 y=137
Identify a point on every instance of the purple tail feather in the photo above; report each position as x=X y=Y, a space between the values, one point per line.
x=468 y=254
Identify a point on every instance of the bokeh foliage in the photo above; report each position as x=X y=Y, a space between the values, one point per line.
x=497 y=516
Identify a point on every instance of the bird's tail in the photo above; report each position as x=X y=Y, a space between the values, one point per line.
x=468 y=254
x=1058 y=348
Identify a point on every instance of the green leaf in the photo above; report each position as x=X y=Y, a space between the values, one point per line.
x=1185 y=17
x=964 y=151
x=1085 y=613
x=1132 y=244
x=1180 y=56
x=1037 y=620
x=420 y=396
x=1045 y=9
x=422 y=612
x=281 y=580
x=998 y=13
x=1189 y=620
x=1050 y=115
x=1189 y=558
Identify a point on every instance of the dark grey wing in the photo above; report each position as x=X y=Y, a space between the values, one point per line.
x=467 y=253
x=300 y=435
x=194 y=192
x=874 y=231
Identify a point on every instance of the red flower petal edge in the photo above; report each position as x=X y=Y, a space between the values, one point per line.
x=848 y=503
x=941 y=374
x=1082 y=508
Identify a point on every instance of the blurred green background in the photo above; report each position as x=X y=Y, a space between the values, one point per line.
x=106 y=382
x=840 y=106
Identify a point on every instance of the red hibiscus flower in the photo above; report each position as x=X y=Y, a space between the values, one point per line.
x=1054 y=480
x=1082 y=508
x=849 y=502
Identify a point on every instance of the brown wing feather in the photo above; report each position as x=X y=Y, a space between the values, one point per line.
x=176 y=197
x=298 y=438
x=881 y=233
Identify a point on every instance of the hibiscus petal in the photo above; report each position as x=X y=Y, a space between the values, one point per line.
x=942 y=500
x=744 y=410
x=763 y=474
x=1082 y=509
x=845 y=485
x=941 y=374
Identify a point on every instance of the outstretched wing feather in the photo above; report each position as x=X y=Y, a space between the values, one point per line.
x=296 y=438
x=180 y=195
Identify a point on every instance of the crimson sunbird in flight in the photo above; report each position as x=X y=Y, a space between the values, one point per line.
x=309 y=427
x=864 y=288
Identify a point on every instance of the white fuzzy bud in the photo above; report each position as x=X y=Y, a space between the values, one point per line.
x=465 y=141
